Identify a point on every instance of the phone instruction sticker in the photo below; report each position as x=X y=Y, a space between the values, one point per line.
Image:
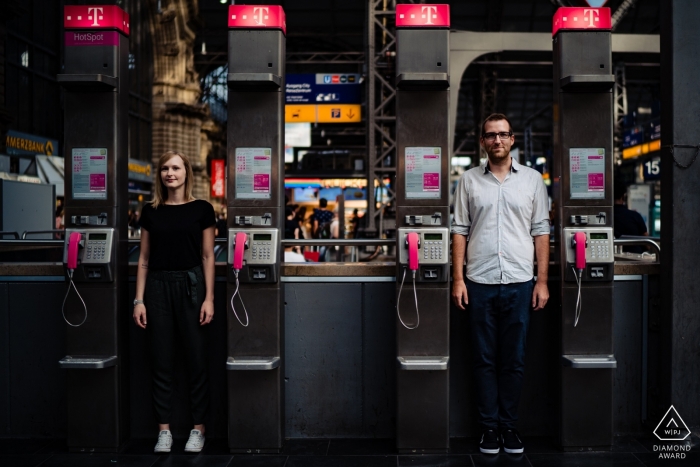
x=423 y=172
x=89 y=167
x=587 y=173
x=253 y=172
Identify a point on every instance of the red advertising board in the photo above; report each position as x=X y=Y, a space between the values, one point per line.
x=218 y=178
x=581 y=19
x=422 y=16
x=95 y=17
x=257 y=17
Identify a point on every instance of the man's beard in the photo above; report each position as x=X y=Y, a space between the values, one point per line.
x=498 y=157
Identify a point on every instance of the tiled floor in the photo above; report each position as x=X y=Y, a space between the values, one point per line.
x=464 y=452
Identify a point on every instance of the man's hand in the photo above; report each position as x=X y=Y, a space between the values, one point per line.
x=540 y=295
x=459 y=293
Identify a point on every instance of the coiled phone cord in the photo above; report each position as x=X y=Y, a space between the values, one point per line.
x=240 y=297
x=579 y=302
x=415 y=297
x=63 y=307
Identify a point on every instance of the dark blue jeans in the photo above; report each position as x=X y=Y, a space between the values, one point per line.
x=499 y=318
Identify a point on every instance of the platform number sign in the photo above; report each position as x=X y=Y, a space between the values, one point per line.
x=652 y=169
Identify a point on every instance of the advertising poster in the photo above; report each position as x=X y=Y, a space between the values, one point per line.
x=423 y=172
x=89 y=173
x=218 y=178
x=253 y=171
x=587 y=173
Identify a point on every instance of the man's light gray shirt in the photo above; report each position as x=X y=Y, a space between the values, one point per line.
x=499 y=220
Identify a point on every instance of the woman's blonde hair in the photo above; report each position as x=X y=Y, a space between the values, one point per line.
x=160 y=193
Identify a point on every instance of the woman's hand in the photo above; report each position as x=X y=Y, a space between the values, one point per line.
x=206 y=314
x=140 y=315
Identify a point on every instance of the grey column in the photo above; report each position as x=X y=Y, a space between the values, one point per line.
x=680 y=294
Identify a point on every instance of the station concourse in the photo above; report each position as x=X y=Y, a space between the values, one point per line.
x=329 y=143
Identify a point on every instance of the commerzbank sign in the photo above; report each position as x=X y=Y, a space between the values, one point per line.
x=18 y=143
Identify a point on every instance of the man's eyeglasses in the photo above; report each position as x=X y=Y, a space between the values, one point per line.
x=492 y=136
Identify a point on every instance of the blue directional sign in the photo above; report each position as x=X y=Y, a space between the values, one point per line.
x=320 y=88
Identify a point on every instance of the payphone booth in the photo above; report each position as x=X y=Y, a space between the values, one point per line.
x=255 y=194
x=96 y=85
x=422 y=218
x=583 y=191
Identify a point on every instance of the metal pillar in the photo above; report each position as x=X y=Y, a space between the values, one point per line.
x=255 y=197
x=583 y=168
x=381 y=104
x=619 y=109
x=96 y=81
x=422 y=110
x=680 y=322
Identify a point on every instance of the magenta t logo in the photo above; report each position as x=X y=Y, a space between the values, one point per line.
x=428 y=12
x=260 y=15
x=94 y=11
x=591 y=15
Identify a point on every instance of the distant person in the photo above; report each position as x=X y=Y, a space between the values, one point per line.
x=291 y=256
x=301 y=220
x=355 y=223
x=58 y=225
x=291 y=224
x=221 y=226
x=321 y=220
x=627 y=222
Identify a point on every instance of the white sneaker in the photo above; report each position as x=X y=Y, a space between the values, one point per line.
x=165 y=441
x=196 y=441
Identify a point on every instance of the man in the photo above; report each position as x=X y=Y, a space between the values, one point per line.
x=322 y=219
x=498 y=209
x=627 y=222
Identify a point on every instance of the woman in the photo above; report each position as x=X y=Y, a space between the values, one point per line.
x=175 y=283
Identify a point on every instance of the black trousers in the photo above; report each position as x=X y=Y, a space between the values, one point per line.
x=173 y=301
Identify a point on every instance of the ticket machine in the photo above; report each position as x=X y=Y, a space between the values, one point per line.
x=256 y=220
x=422 y=218
x=96 y=84
x=583 y=191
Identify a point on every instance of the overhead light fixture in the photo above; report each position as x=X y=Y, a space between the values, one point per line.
x=222 y=1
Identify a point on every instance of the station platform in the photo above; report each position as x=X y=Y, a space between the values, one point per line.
x=627 y=451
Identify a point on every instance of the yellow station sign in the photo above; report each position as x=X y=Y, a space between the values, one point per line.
x=322 y=113
x=339 y=113
x=300 y=113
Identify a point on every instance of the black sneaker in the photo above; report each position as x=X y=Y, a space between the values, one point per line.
x=489 y=442
x=511 y=442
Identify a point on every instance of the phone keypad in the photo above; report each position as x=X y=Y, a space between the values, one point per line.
x=600 y=249
x=432 y=249
x=96 y=250
x=261 y=251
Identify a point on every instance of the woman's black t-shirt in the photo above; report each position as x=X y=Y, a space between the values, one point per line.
x=175 y=234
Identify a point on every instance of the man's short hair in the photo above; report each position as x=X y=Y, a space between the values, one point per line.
x=495 y=118
x=323 y=202
x=619 y=189
x=288 y=211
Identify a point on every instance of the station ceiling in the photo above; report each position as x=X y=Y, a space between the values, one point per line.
x=523 y=80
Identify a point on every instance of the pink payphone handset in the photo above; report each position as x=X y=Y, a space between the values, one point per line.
x=75 y=243
x=579 y=243
x=240 y=244
x=412 y=244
